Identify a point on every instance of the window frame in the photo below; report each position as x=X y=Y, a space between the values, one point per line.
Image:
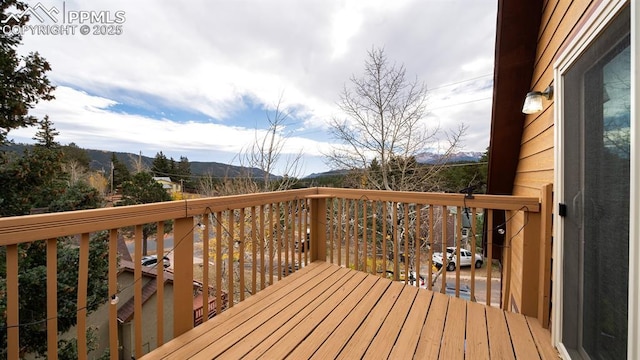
x=603 y=14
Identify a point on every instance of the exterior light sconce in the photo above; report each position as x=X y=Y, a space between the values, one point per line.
x=533 y=101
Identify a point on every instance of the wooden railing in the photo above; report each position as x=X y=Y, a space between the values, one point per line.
x=396 y=235
x=239 y=245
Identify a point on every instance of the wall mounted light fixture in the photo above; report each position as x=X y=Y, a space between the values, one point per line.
x=533 y=101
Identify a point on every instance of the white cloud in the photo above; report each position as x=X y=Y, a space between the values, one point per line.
x=87 y=121
x=210 y=57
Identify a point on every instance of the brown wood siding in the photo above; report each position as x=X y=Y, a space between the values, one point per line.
x=535 y=164
x=560 y=20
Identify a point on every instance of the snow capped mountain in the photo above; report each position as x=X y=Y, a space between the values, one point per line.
x=432 y=158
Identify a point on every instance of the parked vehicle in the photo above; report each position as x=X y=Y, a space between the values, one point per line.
x=152 y=260
x=465 y=259
x=464 y=293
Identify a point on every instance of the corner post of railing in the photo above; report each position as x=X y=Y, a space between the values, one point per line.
x=183 y=229
x=544 y=277
x=523 y=243
x=318 y=227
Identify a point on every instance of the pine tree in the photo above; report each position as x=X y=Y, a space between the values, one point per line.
x=23 y=80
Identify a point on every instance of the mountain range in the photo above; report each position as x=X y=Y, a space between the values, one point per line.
x=423 y=158
x=462 y=156
x=101 y=161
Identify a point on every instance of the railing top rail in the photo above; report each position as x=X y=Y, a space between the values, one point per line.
x=495 y=202
x=214 y=204
x=19 y=229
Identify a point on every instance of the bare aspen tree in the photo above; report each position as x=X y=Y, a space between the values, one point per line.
x=266 y=152
x=264 y=156
x=385 y=129
x=137 y=163
x=75 y=170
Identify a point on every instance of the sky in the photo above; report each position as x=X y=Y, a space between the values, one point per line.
x=199 y=78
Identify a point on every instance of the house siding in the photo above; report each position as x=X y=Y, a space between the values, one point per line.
x=535 y=165
x=560 y=21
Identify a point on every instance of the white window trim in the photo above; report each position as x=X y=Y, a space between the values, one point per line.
x=634 y=213
x=600 y=18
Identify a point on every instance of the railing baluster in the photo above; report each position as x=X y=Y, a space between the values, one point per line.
x=205 y=268
x=431 y=244
x=307 y=230
x=52 y=298
x=279 y=238
x=406 y=243
x=364 y=234
x=445 y=254
x=160 y=282
x=137 y=278
x=286 y=211
x=347 y=220
x=13 y=330
x=271 y=244
x=292 y=234
x=301 y=234
x=418 y=210
x=458 y=233
x=374 y=234
x=356 y=234
x=219 y=262
x=384 y=239
x=254 y=250
x=340 y=233
x=241 y=254
x=506 y=303
x=396 y=247
x=332 y=241
x=230 y=245
x=489 y=253
x=262 y=234
x=83 y=282
x=113 y=293
x=473 y=253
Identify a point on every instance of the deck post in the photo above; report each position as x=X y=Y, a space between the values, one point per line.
x=182 y=275
x=525 y=251
x=318 y=231
x=544 y=277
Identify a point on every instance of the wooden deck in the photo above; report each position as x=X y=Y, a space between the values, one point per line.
x=325 y=311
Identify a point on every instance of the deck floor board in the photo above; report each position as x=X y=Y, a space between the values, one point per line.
x=325 y=311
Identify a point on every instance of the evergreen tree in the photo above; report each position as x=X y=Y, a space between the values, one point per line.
x=457 y=176
x=32 y=180
x=33 y=304
x=143 y=189
x=37 y=180
x=120 y=173
x=183 y=170
x=23 y=80
x=74 y=153
x=161 y=166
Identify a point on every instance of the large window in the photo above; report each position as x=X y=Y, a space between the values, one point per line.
x=596 y=187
